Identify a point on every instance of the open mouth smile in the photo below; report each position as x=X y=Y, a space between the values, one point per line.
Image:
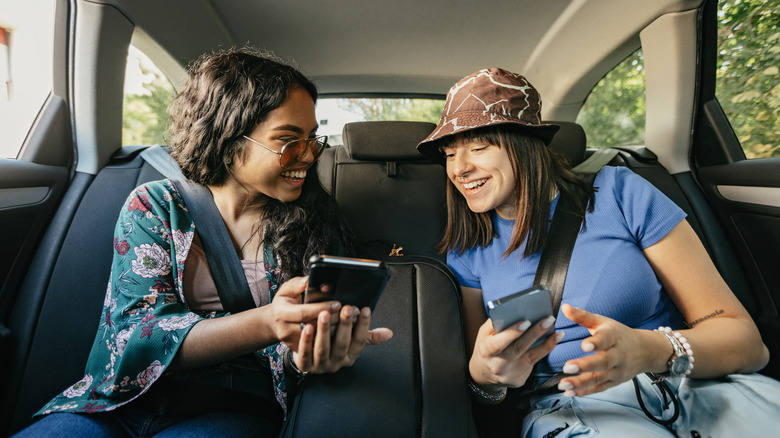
x=475 y=184
x=294 y=174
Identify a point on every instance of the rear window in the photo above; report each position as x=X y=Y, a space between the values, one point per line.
x=145 y=106
x=614 y=112
x=334 y=113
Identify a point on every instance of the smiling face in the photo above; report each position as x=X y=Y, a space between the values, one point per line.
x=258 y=170
x=484 y=175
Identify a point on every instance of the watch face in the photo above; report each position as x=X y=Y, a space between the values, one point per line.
x=678 y=365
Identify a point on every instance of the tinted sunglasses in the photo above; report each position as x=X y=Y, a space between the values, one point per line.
x=293 y=151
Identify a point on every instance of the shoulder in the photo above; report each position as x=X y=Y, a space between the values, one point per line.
x=617 y=177
x=155 y=198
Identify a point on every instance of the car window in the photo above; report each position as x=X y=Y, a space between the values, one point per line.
x=147 y=96
x=748 y=74
x=334 y=113
x=614 y=112
x=26 y=51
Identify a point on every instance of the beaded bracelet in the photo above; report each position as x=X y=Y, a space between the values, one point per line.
x=490 y=398
x=680 y=345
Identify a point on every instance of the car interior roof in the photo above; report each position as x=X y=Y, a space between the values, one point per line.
x=521 y=36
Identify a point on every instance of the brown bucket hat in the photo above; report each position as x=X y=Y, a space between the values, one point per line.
x=489 y=97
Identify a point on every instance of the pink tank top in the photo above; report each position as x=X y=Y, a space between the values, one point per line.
x=200 y=290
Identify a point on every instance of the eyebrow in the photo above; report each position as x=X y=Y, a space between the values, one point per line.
x=294 y=128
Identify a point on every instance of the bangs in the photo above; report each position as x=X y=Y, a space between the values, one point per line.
x=494 y=135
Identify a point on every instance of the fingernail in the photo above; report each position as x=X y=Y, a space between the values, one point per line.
x=366 y=312
x=324 y=317
x=335 y=306
x=571 y=368
x=563 y=386
x=569 y=393
x=588 y=347
x=559 y=336
x=523 y=326
x=548 y=322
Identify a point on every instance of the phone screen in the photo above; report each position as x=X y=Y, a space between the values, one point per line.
x=351 y=281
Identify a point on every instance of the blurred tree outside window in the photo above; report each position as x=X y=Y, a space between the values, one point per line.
x=748 y=75
x=147 y=96
x=614 y=112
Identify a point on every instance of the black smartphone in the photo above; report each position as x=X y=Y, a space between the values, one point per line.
x=351 y=281
x=532 y=304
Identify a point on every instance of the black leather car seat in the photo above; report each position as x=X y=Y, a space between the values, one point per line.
x=392 y=194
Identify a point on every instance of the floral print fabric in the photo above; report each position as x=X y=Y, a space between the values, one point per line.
x=145 y=315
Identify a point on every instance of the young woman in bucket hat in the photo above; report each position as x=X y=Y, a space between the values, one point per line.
x=641 y=295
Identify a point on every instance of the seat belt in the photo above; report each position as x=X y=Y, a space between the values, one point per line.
x=565 y=226
x=225 y=266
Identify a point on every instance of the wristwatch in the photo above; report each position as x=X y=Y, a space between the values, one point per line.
x=678 y=363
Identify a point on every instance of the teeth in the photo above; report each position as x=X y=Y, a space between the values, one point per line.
x=295 y=174
x=475 y=184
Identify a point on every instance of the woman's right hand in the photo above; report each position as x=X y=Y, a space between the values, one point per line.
x=288 y=314
x=504 y=359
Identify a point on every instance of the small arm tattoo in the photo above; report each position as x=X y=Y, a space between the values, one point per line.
x=711 y=315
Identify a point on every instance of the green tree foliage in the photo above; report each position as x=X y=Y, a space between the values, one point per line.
x=748 y=85
x=748 y=74
x=614 y=113
x=145 y=117
x=421 y=110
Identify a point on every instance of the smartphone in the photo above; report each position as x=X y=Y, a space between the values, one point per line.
x=532 y=304
x=351 y=281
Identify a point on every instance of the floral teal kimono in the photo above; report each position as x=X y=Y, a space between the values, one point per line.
x=145 y=315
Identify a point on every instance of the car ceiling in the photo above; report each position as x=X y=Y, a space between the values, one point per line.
x=409 y=46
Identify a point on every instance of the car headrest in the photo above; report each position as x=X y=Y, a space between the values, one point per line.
x=569 y=141
x=385 y=140
x=397 y=140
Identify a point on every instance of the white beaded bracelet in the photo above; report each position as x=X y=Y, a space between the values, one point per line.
x=681 y=348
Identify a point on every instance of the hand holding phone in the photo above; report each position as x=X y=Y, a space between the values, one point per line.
x=532 y=304
x=351 y=281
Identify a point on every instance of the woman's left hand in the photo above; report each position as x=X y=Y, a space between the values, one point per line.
x=320 y=352
x=619 y=353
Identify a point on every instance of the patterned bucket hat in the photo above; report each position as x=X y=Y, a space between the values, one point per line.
x=489 y=97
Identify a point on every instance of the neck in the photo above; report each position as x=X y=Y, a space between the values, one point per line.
x=242 y=215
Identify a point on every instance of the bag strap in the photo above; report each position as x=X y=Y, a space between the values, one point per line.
x=226 y=269
x=565 y=226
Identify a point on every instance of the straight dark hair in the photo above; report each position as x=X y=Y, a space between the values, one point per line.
x=539 y=172
x=227 y=95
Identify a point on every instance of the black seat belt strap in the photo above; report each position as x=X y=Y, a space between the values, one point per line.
x=224 y=263
x=565 y=226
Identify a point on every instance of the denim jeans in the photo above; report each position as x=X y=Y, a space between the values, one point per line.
x=733 y=406
x=135 y=423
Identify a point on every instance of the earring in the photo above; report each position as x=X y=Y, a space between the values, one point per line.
x=228 y=160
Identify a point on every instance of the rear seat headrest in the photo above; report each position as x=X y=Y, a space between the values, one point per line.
x=385 y=140
x=397 y=140
x=569 y=141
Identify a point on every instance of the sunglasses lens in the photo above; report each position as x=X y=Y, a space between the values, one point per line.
x=296 y=150
x=291 y=152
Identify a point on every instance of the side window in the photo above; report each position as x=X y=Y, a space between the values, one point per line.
x=147 y=96
x=614 y=112
x=26 y=51
x=748 y=74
